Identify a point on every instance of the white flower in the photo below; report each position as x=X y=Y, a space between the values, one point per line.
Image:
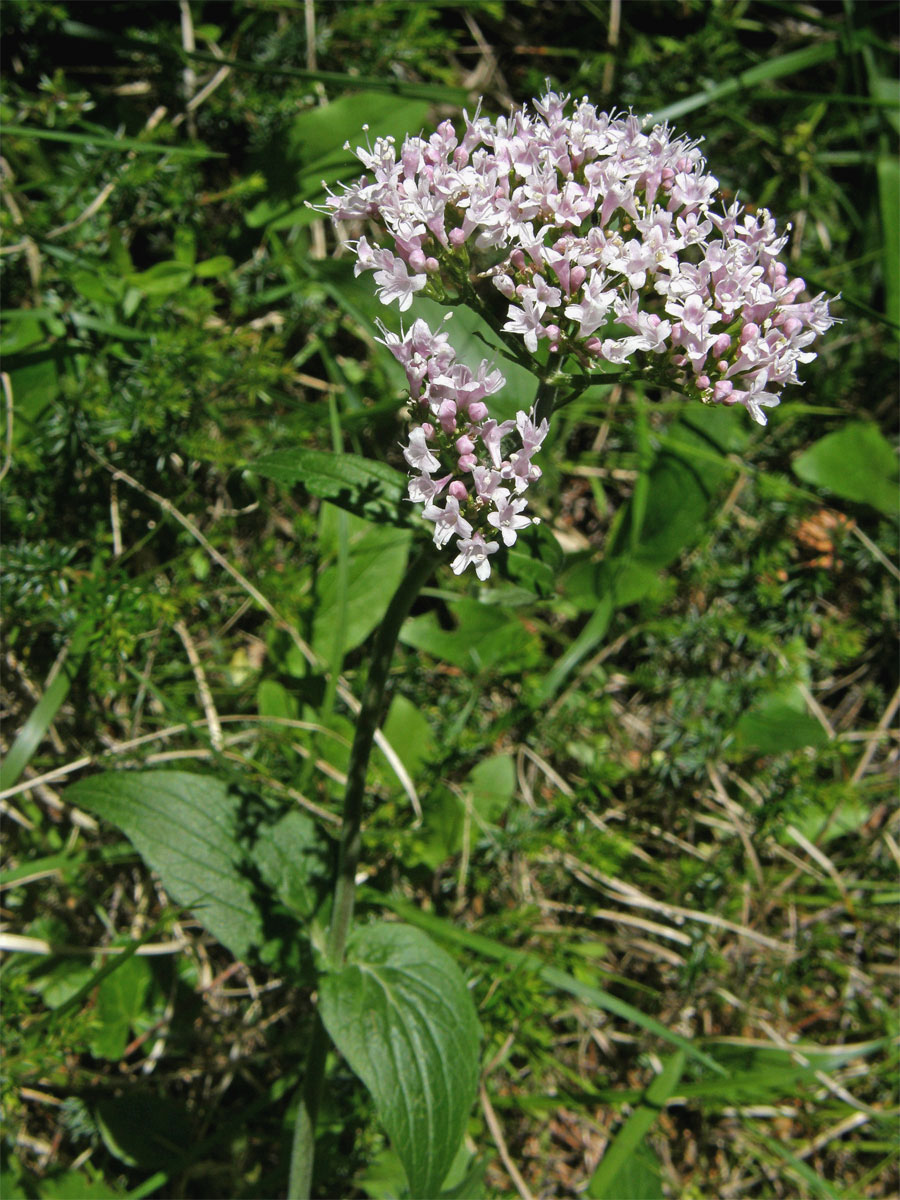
x=474 y=551
x=417 y=453
x=507 y=519
x=447 y=521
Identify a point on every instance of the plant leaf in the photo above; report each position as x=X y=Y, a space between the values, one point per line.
x=856 y=463
x=370 y=489
x=376 y=564
x=42 y=715
x=400 y=1013
x=607 y=1182
x=184 y=826
x=119 y=1004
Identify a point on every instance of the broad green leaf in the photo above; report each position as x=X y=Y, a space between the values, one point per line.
x=687 y=472
x=409 y=732
x=375 y=567
x=608 y=1182
x=62 y=981
x=34 y=380
x=370 y=489
x=383 y=1178
x=856 y=463
x=120 y=1002
x=621 y=580
x=400 y=1013
x=311 y=150
x=186 y=827
x=492 y=784
x=295 y=860
x=486 y=636
x=441 y=834
x=778 y=723
x=274 y=700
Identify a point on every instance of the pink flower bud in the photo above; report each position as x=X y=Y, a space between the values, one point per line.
x=432 y=265
x=504 y=286
x=723 y=390
x=467 y=462
x=478 y=411
x=457 y=237
x=447 y=415
x=720 y=345
x=791 y=326
x=465 y=445
x=702 y=382
x=428 y=429
x=458 y=489
x=577 y=277
x=722 y=366
x=749 y=333
x=416 y=260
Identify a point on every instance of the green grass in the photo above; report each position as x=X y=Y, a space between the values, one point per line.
x=657 y=800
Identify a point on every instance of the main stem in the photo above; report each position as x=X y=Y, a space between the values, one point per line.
x=303 y=1150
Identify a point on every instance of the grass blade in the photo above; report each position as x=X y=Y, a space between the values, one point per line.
x=42 y=715
x=488 y=948
x=631 y=1135
x=776 y=68
x=110 y=143
x=816 y=1184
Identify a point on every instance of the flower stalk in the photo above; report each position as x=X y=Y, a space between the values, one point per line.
x=367 y=721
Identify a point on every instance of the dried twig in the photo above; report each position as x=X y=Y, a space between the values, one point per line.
x=206 y=697
x=188 y=75
x=887 y=716
x=8 y=399
x=500 y=1142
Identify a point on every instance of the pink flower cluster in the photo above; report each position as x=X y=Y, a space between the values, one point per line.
x=481 y=464
x=595 y=242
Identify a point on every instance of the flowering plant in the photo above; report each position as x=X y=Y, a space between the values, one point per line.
x=588 y=243
x=588 y=246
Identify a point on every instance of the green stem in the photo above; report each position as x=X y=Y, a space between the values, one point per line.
x=545 y=400
x=420 y=568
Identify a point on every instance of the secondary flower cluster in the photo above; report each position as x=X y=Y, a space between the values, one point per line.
x=481 y=464
x=587 y=234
